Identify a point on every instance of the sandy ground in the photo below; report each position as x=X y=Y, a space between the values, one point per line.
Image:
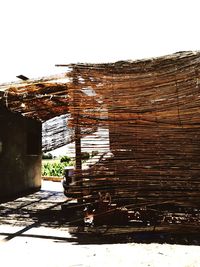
x=28 y=240
x=37 y=252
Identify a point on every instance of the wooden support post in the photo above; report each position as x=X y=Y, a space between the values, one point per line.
x=78 y=161
x=78 y=147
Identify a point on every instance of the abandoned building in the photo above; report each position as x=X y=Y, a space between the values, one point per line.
x=149 y=108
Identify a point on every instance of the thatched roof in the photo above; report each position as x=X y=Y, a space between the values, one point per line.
x=145 y=79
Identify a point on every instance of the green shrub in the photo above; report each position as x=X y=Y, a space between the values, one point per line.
x=65 y=159
x=47 y=156
x=85 y=155
x=55 y=168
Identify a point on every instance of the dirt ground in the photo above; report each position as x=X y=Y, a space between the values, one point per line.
x=35 y=232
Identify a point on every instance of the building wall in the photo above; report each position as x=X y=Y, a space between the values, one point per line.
x=20 y=154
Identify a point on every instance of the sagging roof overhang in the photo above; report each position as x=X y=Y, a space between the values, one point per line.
x=164 y=91
x=84 y=86
x=40 y=99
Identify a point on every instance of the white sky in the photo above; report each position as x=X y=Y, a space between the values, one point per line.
x=37 y=34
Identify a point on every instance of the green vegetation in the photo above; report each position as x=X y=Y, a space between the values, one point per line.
x=55 y=167
x=85 y=156
x=47 y=156
x=65 y=159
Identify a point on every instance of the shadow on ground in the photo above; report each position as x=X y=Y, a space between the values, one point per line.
x=43 y=210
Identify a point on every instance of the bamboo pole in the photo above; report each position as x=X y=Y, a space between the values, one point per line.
x=78 y=161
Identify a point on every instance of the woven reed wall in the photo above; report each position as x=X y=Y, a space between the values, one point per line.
x=151 y=109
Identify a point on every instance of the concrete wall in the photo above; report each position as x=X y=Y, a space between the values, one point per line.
x=20 y=154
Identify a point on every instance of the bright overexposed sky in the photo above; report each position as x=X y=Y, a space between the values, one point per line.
x=37 y=34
